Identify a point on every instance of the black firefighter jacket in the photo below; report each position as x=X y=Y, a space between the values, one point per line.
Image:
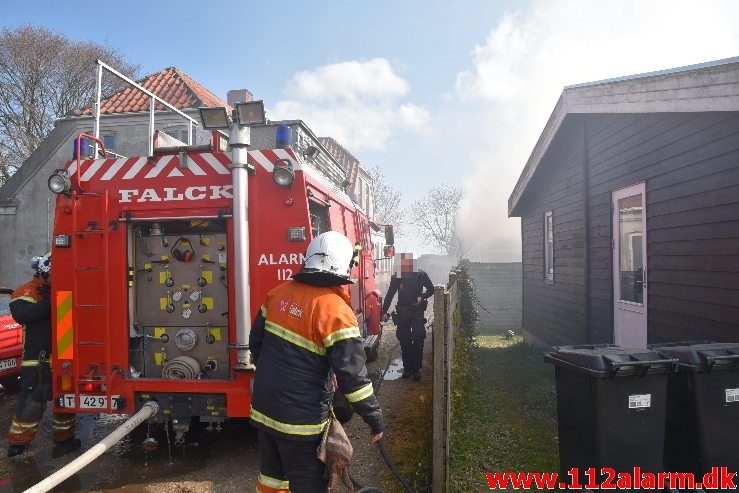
x=30 y=306
x=409 y=287
x=301 y=333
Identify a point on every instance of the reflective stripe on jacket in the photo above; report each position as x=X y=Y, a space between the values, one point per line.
x=300 y=334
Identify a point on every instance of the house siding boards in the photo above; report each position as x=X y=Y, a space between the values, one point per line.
x=690 y=165
x=554 y=311
x=498 y=290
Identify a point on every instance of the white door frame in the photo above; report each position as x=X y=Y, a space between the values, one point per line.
x=630 y=314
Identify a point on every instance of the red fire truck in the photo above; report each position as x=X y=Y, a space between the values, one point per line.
x=11 y=344
x=145 y=284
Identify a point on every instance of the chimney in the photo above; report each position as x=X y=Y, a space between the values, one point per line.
x=239 y=96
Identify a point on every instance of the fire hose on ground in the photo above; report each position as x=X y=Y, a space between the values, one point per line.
x=380 y=445
x=371 y=489
x=148 y=410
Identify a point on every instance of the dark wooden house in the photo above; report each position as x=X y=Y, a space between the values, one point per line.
x=629 y=208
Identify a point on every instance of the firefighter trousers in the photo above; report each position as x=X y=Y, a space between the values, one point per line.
x=35 y=392
x=411 y=334
x=289 y=465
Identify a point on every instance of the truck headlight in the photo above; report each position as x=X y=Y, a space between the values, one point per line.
x=283 y=173
x=59 y=182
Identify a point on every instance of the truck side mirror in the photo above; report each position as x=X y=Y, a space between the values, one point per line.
x=389 y=235
x=388 y=251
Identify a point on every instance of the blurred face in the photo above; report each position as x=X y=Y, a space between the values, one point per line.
x=406 y=265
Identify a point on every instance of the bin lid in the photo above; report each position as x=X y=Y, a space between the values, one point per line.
x=610 y=359
x=702 y=355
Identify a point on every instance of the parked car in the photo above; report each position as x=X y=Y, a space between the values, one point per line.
x=11 y=343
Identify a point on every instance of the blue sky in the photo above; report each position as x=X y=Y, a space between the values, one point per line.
x=432 y=91
x=229 y=44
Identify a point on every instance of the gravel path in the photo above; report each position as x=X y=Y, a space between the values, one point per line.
x=367 y=462
x=394 y=395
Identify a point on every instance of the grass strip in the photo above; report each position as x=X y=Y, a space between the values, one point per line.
x=503 y=411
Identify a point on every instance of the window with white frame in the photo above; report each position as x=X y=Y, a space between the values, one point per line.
x=548 y=247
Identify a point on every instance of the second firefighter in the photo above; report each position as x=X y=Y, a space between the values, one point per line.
x=30 y=305
x=414 y=288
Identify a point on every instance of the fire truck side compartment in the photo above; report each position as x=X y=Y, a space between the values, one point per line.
x=181 y=306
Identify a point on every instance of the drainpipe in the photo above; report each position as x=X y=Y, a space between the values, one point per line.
x=586 y=226
x=239 y=139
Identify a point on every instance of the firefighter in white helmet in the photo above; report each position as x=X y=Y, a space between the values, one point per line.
x=306 y=330
x=30 y=306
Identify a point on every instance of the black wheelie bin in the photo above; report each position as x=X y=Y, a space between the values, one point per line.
x=702 y=407
x=610 y=407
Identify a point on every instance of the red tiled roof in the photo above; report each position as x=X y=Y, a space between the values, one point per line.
x=171 y=84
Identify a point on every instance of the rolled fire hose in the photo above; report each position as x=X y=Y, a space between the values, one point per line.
x=148 y=410
x=181 y=367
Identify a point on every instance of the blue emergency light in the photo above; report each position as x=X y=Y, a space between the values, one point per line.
x=284 y=136
x=84 y=148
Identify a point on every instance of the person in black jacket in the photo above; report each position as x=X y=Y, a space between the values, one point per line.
x=304 y=338
x=414 y=288
x=30 y=306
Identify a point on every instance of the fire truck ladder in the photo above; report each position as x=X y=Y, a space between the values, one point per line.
x=91 y=298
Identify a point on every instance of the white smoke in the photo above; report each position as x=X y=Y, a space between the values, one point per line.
x=527 y=59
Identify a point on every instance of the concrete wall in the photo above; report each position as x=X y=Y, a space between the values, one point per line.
x=498 y=289
x=26 y=233
x=437 y=267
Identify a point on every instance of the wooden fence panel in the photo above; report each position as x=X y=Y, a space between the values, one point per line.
x=446 y=323
x=439 y=445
